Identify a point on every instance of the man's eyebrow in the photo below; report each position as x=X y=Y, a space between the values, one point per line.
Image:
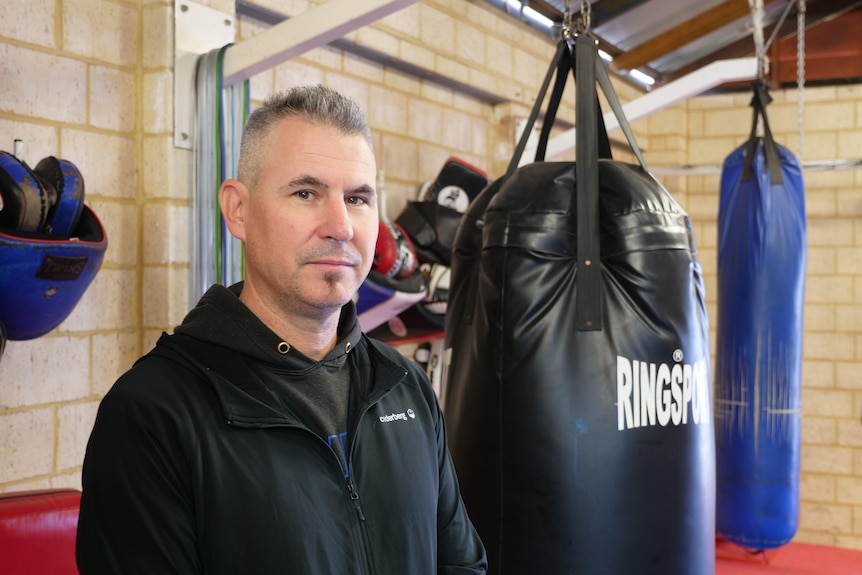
x=307 y=180
x=365 y=190
x=311 y=181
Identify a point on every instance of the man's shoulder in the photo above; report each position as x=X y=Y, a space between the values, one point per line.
x=169 y=368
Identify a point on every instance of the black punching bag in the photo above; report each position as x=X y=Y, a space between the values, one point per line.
x=577 y=381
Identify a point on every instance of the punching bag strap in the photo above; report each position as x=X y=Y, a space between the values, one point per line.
x=759 y=101
x=534 y=113
x=563 y=67
x=591 y=142
x=588 y=303
x=614 y=103
x=566 y=63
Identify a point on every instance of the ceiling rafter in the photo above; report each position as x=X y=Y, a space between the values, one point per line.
x=689 y=31
x=817 y=13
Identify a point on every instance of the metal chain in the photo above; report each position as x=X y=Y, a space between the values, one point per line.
x=569 y=27
x=566 y=29
x=800 y=77
x=584 y=20
x=757 y=33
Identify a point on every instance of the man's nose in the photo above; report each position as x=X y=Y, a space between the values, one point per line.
x=337 y=223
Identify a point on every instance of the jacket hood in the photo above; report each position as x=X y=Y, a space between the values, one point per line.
x=222 y=319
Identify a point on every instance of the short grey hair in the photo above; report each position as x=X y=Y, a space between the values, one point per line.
x=315 y=104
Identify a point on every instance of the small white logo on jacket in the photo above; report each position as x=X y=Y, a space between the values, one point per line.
x=396 y=416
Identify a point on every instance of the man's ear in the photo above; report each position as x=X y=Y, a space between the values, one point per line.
x=233 y=201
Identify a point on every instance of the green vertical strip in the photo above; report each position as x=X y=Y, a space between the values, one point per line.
x=246 y=109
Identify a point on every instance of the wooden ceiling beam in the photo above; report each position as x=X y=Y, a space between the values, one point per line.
x=817 y=12
x=671 y=40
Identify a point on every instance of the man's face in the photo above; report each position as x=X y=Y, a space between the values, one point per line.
x=311 y=223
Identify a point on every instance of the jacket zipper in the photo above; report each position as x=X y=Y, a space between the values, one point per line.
x=351 y=487
x=354 y=496
x=367 y=563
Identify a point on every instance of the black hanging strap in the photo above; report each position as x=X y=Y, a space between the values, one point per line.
x=590 y=139
x=534 y=113
x=563 y=67
x=614 y=102
x=759 y=101
x=588 y=304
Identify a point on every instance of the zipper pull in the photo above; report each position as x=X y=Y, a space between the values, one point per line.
x=354 y=496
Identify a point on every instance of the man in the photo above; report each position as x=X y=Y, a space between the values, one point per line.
x=268 y=434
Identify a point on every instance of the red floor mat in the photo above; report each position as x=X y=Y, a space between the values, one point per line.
x=791 y=559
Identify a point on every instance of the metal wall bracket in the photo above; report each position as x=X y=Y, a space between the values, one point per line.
x=197 y=30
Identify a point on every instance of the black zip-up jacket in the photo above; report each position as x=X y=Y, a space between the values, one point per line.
x=195 y=466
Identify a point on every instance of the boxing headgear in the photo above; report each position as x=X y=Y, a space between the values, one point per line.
x=48 y=199
x=51 y=244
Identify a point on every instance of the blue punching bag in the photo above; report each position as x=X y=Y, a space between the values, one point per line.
x=761 y=280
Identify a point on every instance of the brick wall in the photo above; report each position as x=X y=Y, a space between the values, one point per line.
x=92 y=81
